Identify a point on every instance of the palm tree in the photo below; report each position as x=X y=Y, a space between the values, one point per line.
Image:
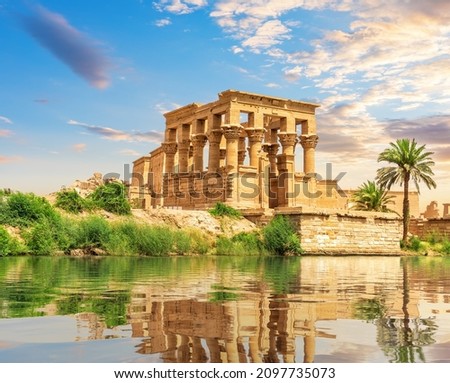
x=411 y=162
x=372 y=197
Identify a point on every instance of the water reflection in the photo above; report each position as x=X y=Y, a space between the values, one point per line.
x=240 y=309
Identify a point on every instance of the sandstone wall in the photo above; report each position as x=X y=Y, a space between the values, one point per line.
x=343 y=233
x=424 y=227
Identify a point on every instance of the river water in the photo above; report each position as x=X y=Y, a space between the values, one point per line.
x=225 y=309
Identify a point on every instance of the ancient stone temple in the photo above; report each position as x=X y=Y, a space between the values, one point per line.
x=241 y=150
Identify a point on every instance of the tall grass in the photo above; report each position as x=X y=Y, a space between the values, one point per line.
x=280 y=237
x=222 y=210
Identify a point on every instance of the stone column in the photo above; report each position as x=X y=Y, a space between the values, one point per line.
x=169 y=149
x=214 y=138
x=272 y=151
x=255 y=136
x=286 y=167
x=198 y=143
x=183 y=155
x=241 y=150
x=232 y=133
x=309 y=143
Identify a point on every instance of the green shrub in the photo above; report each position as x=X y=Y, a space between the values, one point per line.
x=222 y=210
x=111 y=197
x=415 y=244
x=24 y=209
x=70 y=201
x=40 y=239
x=433 y=238
x=280 y=237
x=10 y=245
x=93 y=232
x=445 y=247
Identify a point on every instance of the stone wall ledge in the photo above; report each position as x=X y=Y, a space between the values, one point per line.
x=349 y=253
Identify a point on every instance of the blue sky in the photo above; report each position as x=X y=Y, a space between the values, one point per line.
x=83 y=84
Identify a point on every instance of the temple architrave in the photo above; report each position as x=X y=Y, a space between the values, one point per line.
x=241 y=150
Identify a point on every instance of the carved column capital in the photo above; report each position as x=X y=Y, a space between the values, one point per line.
x=287 y=139
x=169 y=147
x=270 y=149
x=232 y=131
x=198 y=140
x=214 y=136
x=184 y=144
x=255 y=134
x=309 y=141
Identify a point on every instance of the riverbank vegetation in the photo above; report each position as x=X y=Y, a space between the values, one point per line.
x=432 y=244
x=82 y=226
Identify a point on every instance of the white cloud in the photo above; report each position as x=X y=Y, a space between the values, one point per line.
x=270 y=33
x=163 y=22
x=236 y=49
x=6 y=120
x=130 y=152
x=293 y=74
x=179 y=7
x=165 y=107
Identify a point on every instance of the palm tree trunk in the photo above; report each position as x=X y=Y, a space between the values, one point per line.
x=406 y=209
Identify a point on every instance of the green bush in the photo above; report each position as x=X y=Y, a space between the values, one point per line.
x=280 y=237
x=445 y=247
x=415 y=244
x=222 y=210
x=93 y=232
x=41 y=239
x=241 y=244
x=24 y=209
x=111 y=197
x=70 y=201
x=10 y=245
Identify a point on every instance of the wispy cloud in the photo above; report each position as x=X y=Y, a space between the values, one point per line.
x=119 y=135
x=5 y=133
x=179 y=7
x=7 y=160
x=6 y=120
x=164 y=107
x=82 y=54
x=79 y=148
x=41 y=101
x=163 y=22
x=130 y=152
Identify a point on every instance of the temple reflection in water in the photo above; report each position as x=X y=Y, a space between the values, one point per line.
x=229 y=309
x=223 y=324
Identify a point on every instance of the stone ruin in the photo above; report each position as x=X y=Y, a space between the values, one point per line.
x=242 y=150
